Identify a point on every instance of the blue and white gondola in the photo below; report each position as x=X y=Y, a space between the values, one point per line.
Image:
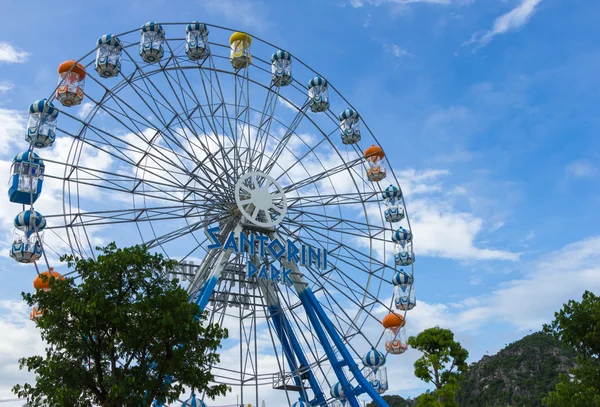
x=193 y=401
x=373 y=359
x=337 y=391
x=391 y=192
x=30 y=221
x=41 y=126
x=392 y=200
x=349 y=126
x=404 y=257
x=196 y=41
x=404 y=291
x=108 y=56
x=26 y=179
x=151 y=45
x=26 y=244
x=318 y=94
x=402 y=279
x=281 y=68
x=402 y=236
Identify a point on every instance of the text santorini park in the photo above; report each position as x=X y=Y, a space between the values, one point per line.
x=287 y=252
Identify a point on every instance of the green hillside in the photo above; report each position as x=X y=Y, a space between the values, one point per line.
x=520 y=375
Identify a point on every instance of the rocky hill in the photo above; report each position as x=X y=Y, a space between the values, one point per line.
x=520 y=375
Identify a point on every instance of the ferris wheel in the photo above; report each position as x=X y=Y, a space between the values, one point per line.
x=281 y=207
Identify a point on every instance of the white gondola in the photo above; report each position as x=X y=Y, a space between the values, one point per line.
x=108 y=56
x=27 y=237
x=318 y=94
x=151 y=45
x=392 y=200
x=376 y=373
x=349 y=126
x=41 y=126
x=281 y=68
x=196 y=41
x=404 y=291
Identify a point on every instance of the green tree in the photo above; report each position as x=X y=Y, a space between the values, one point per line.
x=444 y=396
x=577 y=325
x=442 y=361
x=571 y=392
x=393 y=401
x=119 y=334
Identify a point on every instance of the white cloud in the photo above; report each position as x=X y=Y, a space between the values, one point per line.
x=85 y=109
x=511 y=21
x=5 y=86
x=287 y=105
x=12 y=55
x=21 y=339
x=497 y=226
x=397 y=51
x=12 y=130
x=442 y=231
x=580 y=169
x=439 y=229
x=415 y=182
x=558 y=276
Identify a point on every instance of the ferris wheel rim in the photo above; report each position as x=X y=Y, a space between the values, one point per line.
x=78 y=150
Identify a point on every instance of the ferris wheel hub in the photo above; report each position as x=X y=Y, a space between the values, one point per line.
x=260 y=199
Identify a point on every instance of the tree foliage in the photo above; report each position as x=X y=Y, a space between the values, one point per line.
x=444 y=396
x=571 y=392
x=394 y=401
x=577 y=325
x=443 y=357
x=115 y=337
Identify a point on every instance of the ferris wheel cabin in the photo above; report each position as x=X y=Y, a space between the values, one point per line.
x=26 y=178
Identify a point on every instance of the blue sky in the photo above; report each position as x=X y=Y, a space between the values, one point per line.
x=486 y=108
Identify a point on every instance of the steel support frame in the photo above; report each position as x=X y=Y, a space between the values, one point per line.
x=324 y=329
x=319 y=320
x=286 y=336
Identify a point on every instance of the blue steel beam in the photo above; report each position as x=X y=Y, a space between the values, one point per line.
x=363 y=383
x=314 y=384
x=335 y=363
x=276 y=317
